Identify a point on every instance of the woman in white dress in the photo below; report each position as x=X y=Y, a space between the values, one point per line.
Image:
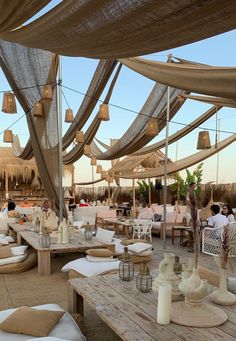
x=228 y=212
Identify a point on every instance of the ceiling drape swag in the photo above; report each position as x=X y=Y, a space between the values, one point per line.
x=207 y=80
x=119 y=29
x=183 y=163
x=26 y=153
x=22 y=68
x=219 y=101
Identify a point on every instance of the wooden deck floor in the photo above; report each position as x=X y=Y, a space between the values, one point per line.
x=30 y=289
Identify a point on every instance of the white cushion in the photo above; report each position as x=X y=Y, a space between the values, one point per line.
x=18 y=250
x=89 y=269
x=144 y=253
x=3 y=241
x=65 y=329
x=13 y=259
x=99 y=259
x=104 y=236
x=170 y=209
x=47 y=338
x=139 y=247
x=10 y=239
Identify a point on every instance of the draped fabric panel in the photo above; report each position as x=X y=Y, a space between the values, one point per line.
x=96 y=87
x=23 y=68
x=183 y=163
x=26 y=153
x=213 y=100
x=207 y=80
x=135 y=137
x=123 y=28
x=14 y=13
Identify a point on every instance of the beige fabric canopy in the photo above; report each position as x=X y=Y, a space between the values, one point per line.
x=183 y=163
x=118 y=28
x=213 y=100
x=203 y=79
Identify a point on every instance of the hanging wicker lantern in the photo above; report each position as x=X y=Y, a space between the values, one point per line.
x=87 y=149
x=110 y=179
x=9 y=103
x=38 y=109
x=69 y=117
x=152 y=127
x=103 y=175
x=203 y=140
x=103 y=113
x=107 y=177
x=93 y=161
x=79 y=137
x=47 y=92
x=99 y=169
x=8 y=136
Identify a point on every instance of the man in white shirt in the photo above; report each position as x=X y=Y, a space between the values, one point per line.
x=217 y=219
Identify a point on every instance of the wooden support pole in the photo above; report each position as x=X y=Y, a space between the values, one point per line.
x=109 y=193
x=134 y=201
x=149 y=193
x=6 y=185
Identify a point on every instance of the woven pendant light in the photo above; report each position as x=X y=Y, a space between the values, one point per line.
x=103 y=174
x=93 y=161
x=99 y=169
x=203 y=140
x=79 y=137
x=87 y=149
x=8 y=136
x=47 y=92
x=69 y=117
x=152 y=127
x=38 y=109
x=9 y=103
x=103 y=113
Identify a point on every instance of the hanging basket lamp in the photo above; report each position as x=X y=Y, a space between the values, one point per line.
x=9 y=103
x=99 y=169
x=8 y=136
x=47 y=92
x=103 y=174
x=93 y=161
x=203 y=140
x=152 y=127
x=103 y=113
x=87 y=149
x=38 y=109
x=79 y=137
x=69 y=117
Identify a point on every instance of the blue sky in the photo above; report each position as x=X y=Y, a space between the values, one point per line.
x=131 y=92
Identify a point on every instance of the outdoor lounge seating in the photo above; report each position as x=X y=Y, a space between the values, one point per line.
x=65 y=329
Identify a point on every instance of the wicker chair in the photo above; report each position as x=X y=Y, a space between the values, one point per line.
x=142 y=229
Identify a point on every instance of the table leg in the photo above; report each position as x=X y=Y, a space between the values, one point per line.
x=19 y=239
x=44 y=262
x=126 y=228
x=173 y=235
x=75 y=302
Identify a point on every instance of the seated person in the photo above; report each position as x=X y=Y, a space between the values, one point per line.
x=25 y=203
x=46 y=207
x=72 y=205
x=217 y=219
x=83 y=203
x=4 y=209
x=11 y=210
x=228 y=212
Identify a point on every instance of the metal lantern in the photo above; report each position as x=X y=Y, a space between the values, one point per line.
x=103 y=113
x=47 y=92
x=144 y=279
x=37 y=225
x=69 y=117
x=203 y=140
x=99 y=169
x=87 y=149
x=126 y=267
x=93 y=161
x=9 y=103
x=88 y=232
x=103 y=174
x=152 y=127
x=38 y=109
x=177 y=266
x=8 y=136
x=79 y=137
x=45 y=240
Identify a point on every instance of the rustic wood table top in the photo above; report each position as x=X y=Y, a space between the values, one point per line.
x=132 y=314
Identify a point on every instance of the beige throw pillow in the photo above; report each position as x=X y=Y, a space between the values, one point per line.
x=30 y=321
x=99 y=253
x=5 y=252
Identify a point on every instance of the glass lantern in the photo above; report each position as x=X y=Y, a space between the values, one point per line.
x=144 y=279
x=37 y=225
x=126 y=267
x=88 y=232
x=45 y=239
x=177 y=266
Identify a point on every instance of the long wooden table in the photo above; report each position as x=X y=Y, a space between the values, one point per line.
x=126 y=224
x=75 y=244
x=132 y=315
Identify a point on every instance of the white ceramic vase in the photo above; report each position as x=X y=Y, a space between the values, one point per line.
x=194 y=288
x=222 y=296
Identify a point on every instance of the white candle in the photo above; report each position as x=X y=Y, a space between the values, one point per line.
x=164 y=304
